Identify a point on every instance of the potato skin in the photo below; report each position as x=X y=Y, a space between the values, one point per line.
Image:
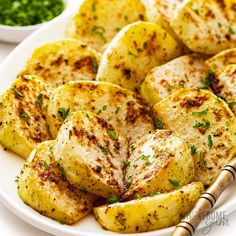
x=91 y=157
x=224 y=85
x=222 y=59
x=22 y=115
x=206 y=123
x=149 y=213
x=97 y=22
x=63 y=60
x=182 y=72
x=157 y=159
x=123 y=109
x=133 y=52
x=43 y=187
x=205 y=26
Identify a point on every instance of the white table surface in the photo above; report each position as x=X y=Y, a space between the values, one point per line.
x=10 y=225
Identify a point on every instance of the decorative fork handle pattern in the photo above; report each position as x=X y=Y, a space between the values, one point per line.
x=207 y=201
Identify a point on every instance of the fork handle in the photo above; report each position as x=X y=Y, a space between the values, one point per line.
x=206 y=202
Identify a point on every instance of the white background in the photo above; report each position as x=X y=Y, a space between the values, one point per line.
x=10 y=225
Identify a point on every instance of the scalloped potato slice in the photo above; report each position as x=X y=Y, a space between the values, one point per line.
x=134 y=51
x=42 y=186
x=224 y=85
x=97 y=22
x=222 y=59
x=123 y=109
x=149 y=213
x=206 y=123
x=63 y=60
x=206 y=26
x=183 y=72
x=23 y=115
x=92 y=153
x=156 y=160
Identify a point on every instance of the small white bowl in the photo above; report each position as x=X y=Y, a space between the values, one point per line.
x=15 y=34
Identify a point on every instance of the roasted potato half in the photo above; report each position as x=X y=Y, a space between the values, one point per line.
x=206 y=123
x=42 y=186
x=97 y=22
x=23 y=115
x=149 y=213
x=122 y=108
x=224 y=85
x=183 y=72
x=92 y=153
x=63 y=60
x=205 y=26
x=134 y=51
x=222 y=59
x=160 y=162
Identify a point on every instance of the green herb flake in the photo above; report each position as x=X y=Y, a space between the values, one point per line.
x=126 y=17
x=127 y=164
x=99 y=112
x=104 y=108
x=104 y=149
x=128 y=183
x=145 y=158
x=40 y=100
x=193 y=150
x=45 y=166
x=201 y=160
x=175 y=183
x=62 y=170
x=219 y=24
x=205 y=125
x=132 y=147
x=112 y=134
x=158 y=124
x=17 y=178
x=63 y=112
x=94 y=7
x=201 y=113
x=231 y=31
x=112 y=199
x=196 y=11
x=95 y=65
x=83 y=190
x=145 y=45
x=231 y=102
x=17 y=92
x=24 y=115
x=210 y=142
x=117 y=110
x=100 y=31
x=137 y=197
x=154 y=194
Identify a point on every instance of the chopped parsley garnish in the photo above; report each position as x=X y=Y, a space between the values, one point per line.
x=231 y=102
x=100 y=31
x=132 y=147
x=117 y=110
x=209 y=80
x=94 y=7
x=45 y=165
x=219 y=24
x=126 y=163
x=210 y=142
x=154 y=194
x=144 y=158
x=126 y=17
x=201 y=160
x=63 y=174
x=131 y=54
x=193 y=150
x=200 y=113
x=112 y=199
x=158 y=124
x=104 y=149
x=145 y=45
x=17 y=178
x=104 y=108
x=99 y=112
x=196 y=11
x=112 y=134
x=137 y=197
x=95 y=65
x=24 y=115
x=205 y=125
x=175 y=183
x=40 y=100
x=83 y=190
x=63 y=112
x=87 y=115
x=231 y=31
x=128 y=183
x=17 y=92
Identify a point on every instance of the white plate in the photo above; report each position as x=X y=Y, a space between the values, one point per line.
x=10 y=164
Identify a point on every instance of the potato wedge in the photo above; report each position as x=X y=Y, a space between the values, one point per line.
x=63 y=60
x=222 y=59
x=134 y=51
x=92 y=154
x=183 y=72
x=97 y=22
x=149 y=213
x=205 y=26
x=122 y=108
x=42 y=186
x=22 y=115
x=224 y=85
x=160 y=162
x=206 y=123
